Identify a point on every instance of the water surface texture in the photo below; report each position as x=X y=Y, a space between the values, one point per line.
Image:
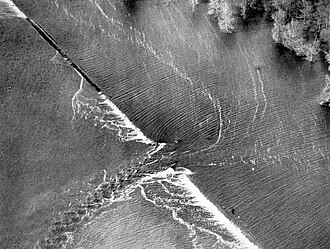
x=195 y=139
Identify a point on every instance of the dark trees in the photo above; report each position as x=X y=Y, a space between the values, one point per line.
x=300 y=25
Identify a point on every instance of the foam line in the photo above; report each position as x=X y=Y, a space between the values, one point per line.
x=192 y=197
x=219 y=217
x=125 y=122
x=8 y=9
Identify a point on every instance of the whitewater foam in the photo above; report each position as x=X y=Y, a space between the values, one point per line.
x=172 y=189
x=124 y=122
x=107 y=115
x=9 y=10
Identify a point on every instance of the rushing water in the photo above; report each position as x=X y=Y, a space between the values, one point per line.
x=197 y=140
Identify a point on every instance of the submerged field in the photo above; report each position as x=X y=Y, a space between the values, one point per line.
x=191 y=113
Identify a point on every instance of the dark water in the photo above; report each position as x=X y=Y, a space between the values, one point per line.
x=238 y=111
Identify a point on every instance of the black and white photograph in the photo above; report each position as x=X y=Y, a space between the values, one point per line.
x=164 y=124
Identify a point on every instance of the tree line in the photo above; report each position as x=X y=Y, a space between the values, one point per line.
x=300 y=25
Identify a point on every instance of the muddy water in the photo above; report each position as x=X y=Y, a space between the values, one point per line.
x=243 y=113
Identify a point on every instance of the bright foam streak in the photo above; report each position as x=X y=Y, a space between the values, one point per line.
x=220 y=218
x=8 y=9
x=179 y=178
x=125 y=122
x=106 y=114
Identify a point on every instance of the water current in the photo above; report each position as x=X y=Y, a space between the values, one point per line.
x=138 y=124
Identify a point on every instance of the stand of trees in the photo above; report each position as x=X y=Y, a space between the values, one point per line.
x=300 y=25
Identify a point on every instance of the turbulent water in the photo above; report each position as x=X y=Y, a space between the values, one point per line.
x=170 y=190
x=139 y=125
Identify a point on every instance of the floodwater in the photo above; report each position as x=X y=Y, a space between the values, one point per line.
x=223 y=132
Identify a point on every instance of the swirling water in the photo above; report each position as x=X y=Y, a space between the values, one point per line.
x=170 y=190
x=237 y=111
